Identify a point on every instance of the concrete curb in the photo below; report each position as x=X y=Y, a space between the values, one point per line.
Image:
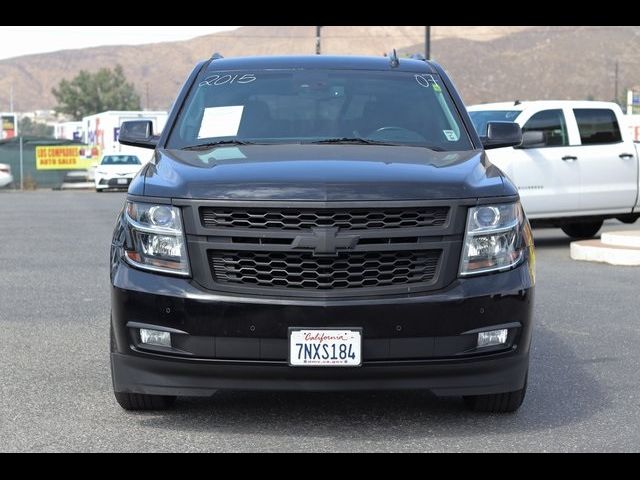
x=78 y=186
x=630 y=239
x=611 y=253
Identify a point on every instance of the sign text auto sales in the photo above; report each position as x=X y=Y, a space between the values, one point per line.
x=65 y=157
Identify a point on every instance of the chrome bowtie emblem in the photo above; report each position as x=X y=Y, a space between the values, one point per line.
x=325 y=241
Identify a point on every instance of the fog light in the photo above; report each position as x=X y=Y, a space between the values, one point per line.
x=155 y=337
x=494 y=337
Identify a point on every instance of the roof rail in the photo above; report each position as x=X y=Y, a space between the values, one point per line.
x=216 y=56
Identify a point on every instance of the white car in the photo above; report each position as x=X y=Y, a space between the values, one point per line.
x=6 y=178
x=116 y=171
x=577 y=164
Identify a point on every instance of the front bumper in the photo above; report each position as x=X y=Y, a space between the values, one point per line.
x=103 y=182
x=171 y=376
x=424 y=341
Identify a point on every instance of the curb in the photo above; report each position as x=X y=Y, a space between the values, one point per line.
x=599 y=251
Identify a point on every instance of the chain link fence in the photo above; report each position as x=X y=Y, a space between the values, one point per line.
x=31 y=177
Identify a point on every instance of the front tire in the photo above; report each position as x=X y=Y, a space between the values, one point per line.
x=582 y=230
x=628 y=219
x=507 y=402
x=140 y=401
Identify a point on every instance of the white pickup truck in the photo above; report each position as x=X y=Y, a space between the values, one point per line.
x=577 y=164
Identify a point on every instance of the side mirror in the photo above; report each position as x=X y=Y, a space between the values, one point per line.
x=533 y=139
x=138 y=133
x=502 y=134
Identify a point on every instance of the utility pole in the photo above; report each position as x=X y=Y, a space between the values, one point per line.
x=616 y=84
x=427 y=43
x=318 y=30
x=21 y=166
x=11 y=99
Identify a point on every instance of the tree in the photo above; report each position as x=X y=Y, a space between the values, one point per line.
x=28 y=127
x=90 y=93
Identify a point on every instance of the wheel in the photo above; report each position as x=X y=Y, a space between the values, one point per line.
x=140 y=401
x=582 y=230
x=390 y=129
x=628 y=219
x=99 y=190
x=395 y=133
x=498 y=402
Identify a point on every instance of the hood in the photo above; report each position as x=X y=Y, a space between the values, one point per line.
x=322 y=173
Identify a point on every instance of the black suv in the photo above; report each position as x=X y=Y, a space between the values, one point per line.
x=321 y=223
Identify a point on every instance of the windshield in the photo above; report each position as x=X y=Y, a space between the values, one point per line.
x=481 y=118
x=326 y=106
x=120 y=160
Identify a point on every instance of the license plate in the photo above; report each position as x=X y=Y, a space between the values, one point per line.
x=123 y=181
x=325 y=348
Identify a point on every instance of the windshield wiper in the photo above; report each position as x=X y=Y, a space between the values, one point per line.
x=205 y=146
x=365 y=141
x=355 y=140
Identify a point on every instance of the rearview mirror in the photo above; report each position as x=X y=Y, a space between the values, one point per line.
x=138 y=133
x=502 y=134
x=532 y=139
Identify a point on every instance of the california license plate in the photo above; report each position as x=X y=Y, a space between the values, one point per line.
x=325 y=348
x=123 y=181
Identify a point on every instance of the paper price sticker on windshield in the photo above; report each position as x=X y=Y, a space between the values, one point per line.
x=221 y=122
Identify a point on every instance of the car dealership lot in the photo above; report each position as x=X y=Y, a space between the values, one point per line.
x=55 y=393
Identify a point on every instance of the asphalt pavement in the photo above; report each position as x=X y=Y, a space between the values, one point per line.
x=56 y=394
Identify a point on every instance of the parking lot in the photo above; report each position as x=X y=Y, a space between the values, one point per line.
x=55 y=393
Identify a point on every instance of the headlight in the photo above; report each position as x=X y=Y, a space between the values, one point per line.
x=158 y=238
x=493 y=239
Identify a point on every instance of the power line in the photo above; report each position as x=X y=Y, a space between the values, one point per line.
x=438 y=35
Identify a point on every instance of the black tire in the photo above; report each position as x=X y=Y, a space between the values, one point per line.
x=497 y=403
x=140 y=401
x=582 y=230
x=628 y=219
x=99 y=190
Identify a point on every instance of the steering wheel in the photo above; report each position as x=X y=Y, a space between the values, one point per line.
x=391 y=129
x=396 y=133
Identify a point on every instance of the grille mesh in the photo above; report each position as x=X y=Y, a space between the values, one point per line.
x=299 y=219
x=301 y=270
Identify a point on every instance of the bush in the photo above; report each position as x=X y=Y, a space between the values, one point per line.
x=30 y=183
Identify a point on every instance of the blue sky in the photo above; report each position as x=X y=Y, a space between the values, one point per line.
x=25 y=40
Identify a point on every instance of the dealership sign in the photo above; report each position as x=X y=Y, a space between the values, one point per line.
x=8 y=126
x=66 y=157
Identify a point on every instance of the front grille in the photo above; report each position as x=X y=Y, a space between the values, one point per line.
x=113 y=182
x=303 y=218
x=303 y=270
